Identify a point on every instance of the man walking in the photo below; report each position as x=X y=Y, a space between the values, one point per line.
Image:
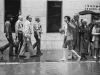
x=37 y=28
x=27 y=37
x=75 y=22
x=9 y=34
x=68 y=39
x=19 y=34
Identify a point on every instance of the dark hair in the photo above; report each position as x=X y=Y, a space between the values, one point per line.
x=68 y=18
x=27 y=17
x=9 y=17
x=81 y=20
x=37 y=18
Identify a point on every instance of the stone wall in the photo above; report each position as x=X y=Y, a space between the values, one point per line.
x=35 y=8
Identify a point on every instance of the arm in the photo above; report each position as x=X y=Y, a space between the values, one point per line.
x=16 y=29
x=41 y=29
x=94 y=31
x=65 y=30
x=7 y=29
x=72 y=25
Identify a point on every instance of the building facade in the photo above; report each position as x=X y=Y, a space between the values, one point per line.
x=51 y=13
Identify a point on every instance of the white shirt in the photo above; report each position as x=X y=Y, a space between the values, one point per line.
x=27 y=28
x=18 y=27
x=95 y=37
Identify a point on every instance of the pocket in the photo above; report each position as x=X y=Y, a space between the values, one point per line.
x=69 y=37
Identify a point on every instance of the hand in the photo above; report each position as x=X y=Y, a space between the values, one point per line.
x=41 y=32
x=7 y=37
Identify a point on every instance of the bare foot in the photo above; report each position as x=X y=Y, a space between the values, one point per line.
x=79 y=58
x=63 y=59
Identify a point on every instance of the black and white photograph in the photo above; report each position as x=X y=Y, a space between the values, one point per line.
x=49 y=37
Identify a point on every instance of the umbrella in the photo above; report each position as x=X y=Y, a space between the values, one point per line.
x=86 y=12
x=98 y=21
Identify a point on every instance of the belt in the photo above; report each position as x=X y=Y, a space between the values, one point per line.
x=20 y=32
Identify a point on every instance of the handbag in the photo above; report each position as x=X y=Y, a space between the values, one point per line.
x=69 y=37
x=16 y=43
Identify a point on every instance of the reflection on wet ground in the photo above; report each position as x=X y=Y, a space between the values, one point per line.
x=48 y=56
x=51 y=68
x=47 y=64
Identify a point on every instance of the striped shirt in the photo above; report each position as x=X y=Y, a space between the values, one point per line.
x=27 y=28
x=37 y=28
x=18 y=26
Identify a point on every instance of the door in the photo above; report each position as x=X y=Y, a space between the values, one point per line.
x=12 y=7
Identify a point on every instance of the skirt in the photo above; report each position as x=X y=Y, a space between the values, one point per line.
x=64 y=42
x=96 y=44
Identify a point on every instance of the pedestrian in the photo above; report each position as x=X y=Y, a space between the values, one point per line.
x=96 y=38
x=27 y=31
x=68 y=39
x=19 y=33
x=84 y=39
x=9 y=37
x=75 y=22
x=91 y=25
x=37 y=28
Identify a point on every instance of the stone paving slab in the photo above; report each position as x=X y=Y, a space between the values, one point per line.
x=51 y=68
x=47 y=64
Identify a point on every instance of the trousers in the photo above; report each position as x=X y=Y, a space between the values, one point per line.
x=20 y=42
x=11 y=44
x=37 y=44
x=26 y=45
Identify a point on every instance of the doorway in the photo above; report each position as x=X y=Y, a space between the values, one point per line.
x=54 y=14
x=12 y=7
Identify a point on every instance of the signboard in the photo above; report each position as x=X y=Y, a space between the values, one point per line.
x=92 y=7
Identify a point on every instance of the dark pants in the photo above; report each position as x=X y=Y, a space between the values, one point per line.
x=20 y=42
x=26 y=44
x=11 y=44
x=4 y=47
x=37 y=44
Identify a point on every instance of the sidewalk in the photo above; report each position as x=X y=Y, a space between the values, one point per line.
x=49 y=41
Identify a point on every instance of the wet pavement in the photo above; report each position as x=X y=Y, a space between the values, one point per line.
x=47 y=64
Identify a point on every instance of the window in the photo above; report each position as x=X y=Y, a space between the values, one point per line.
x=54 y=16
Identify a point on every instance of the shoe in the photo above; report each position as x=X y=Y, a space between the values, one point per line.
x=39 y=53
x=86 y=53
x=79 y=58
x=69 y=57
x=33 y=56
x=94 y=57
x=12 y=55
x=22 y=56
x=2 y=51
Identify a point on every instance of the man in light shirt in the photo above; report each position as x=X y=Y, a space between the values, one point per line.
x=68 y=39
x=27 y=37
x=19 y=33
x=37 y=28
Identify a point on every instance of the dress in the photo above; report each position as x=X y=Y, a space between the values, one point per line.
x=95 y=39
x=84 y=39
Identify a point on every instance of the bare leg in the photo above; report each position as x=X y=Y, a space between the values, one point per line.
x=64 y=55
x=79 y=57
